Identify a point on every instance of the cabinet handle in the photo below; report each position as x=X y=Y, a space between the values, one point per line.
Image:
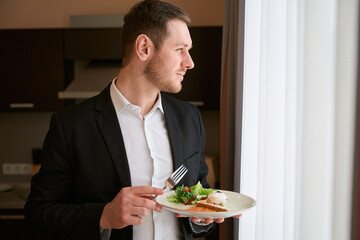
x=21 y=105
x=11 y=217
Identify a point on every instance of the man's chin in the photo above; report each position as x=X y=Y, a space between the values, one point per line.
x=173 y=90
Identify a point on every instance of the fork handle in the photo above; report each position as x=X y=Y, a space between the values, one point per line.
x=158 y=195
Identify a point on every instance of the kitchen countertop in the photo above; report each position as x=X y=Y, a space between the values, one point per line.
x=14 y=198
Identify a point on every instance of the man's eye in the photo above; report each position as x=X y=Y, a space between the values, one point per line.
x=180 y=49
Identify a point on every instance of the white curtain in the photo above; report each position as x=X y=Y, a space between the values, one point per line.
x=297 y=119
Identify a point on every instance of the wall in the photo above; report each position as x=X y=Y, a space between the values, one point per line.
x=20 y=132
x=55 y=14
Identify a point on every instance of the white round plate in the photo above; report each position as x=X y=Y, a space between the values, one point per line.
x=5 y=187
x=236 y=204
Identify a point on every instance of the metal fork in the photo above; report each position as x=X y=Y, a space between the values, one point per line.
x=175 y=178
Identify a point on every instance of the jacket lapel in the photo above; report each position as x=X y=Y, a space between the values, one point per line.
x=174 y=132
x=109 y=126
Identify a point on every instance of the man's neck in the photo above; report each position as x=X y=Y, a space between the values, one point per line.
x=137 y=90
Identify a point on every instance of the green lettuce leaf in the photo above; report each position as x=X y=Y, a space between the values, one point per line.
x=181 y=196
x=199 y=190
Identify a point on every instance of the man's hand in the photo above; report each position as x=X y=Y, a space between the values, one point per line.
x=129 y=206
x=207 y=220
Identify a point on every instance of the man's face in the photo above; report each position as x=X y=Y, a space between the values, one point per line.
x=168 y=66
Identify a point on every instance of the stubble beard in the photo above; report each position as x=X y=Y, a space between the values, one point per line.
x=156 y=73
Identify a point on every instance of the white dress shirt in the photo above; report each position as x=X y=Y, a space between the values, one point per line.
x=149 y=155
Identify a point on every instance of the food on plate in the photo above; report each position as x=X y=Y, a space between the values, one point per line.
x=215 y=201
x=217 y=197
x=200 y=209
x=186 y=195
x=212 y=206
x=205 y=200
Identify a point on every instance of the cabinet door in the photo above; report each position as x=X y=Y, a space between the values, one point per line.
x=31 y=69
x=93 y=43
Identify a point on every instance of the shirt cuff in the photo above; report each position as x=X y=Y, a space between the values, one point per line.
x=105 y=234
x=200 y=227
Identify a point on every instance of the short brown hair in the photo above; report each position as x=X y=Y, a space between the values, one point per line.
x=149 y=17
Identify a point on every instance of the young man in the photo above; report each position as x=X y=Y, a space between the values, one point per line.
x=103 y=158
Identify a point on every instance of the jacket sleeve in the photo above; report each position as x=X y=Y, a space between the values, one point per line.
x=51 y=208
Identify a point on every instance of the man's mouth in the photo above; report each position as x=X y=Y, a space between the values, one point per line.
x=181 y=74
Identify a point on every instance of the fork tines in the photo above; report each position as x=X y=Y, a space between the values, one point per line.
x=179 y=174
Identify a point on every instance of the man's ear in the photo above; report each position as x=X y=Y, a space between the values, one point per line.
x=143 y=47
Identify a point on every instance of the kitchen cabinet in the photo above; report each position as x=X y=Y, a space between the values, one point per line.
x=37 y=64
x=201 y=84
x=31 y=69
x=92 y=43
x=12 y=221
x=14 y=226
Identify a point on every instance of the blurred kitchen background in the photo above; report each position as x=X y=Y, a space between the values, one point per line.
x=37 y=57
x=290 y=141
x=54 y=54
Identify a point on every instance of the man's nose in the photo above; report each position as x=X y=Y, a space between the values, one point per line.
x=188 y=63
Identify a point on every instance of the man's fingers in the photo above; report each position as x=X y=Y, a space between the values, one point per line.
x=148 y=196
x=134 y=220
x=146 y=203
x=146 y=190
x=196 y=220
x=207 y=220
x=219 y=220
x=129 y=206
x=179 y=215
x=139 y=211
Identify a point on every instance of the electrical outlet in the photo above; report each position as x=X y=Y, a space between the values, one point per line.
x=17 y=169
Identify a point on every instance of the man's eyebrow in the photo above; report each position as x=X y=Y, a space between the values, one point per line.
x=186 y=45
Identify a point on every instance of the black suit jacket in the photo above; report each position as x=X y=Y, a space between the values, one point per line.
x=84 y=165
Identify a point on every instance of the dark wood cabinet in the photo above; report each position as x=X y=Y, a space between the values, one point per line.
x=31 y=69
x=13 y=228
x=36 y=64
x=202 y=83
x=92 y=43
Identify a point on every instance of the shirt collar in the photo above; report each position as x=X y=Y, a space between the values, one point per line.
x=120 y=102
